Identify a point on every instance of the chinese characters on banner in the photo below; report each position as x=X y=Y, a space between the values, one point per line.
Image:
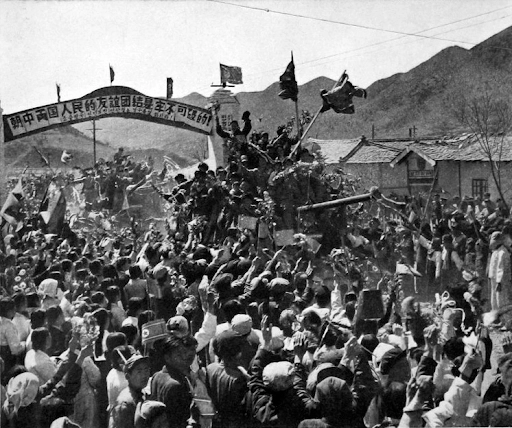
x=124 y=105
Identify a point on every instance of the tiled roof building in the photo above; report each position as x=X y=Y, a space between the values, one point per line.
x=458 y=165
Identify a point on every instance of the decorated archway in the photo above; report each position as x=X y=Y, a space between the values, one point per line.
x=110 y=101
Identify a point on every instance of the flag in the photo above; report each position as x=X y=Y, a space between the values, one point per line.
x=112 y=74
x=58 y=92
x=170 y=164
x=231 y=75
x=53 y=210
x=340 y=98
x=406 y=269
x=45 y=160
x=126 y=204
x=288 y=84
x=10 y=211
x=163 y=173
x=56 y=221
x=66 y=156
x=170 y=83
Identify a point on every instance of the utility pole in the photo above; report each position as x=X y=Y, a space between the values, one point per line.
x=373 y=131
x=94 y=129
x=3 y=170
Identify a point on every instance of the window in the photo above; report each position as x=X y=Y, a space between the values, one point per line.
x=479 y=187
x=421 y=164
x=225 y=120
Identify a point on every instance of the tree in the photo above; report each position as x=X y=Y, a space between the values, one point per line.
x=489 y=118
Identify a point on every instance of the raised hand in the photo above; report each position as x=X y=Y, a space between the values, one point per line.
x=266 y=331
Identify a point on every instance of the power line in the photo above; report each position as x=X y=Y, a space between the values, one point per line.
x=347 y=24
x=265 y=72
x=401 y=44
x=388 y=41
x=402 y=37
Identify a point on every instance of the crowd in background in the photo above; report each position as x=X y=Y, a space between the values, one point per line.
x=236 y=312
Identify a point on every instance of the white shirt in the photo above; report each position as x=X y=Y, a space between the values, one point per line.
x=22 y=324
x=116 y=382
x=130 y=321
x=9 y=336
x=40 y=364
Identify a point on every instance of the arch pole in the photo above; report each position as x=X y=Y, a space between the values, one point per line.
x=218 y=146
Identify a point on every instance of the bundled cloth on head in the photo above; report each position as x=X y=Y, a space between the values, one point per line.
x=325 y=370
x=64 y=422
x=278 y=376
x=21 y=392
x=178 y=326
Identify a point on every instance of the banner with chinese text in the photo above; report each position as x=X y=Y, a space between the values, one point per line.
x=114 y=101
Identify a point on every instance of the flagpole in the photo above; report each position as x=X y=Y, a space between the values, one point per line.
x=315 y=117
x=299 y=126
x=3 y=177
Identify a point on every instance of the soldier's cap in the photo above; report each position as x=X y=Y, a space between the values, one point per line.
x=134 y=361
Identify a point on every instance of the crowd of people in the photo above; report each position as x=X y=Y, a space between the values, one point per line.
x=240 y=313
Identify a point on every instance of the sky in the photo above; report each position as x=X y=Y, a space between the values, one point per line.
x=73 y=42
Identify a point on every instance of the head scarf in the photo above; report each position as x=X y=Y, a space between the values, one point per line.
x=64 y=422
x=48 y=287
x=21 y=392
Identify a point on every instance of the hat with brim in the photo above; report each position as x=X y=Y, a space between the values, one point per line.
x=134 y=361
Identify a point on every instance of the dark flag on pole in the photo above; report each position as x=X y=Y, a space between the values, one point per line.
x=169 y=87
x=58 y=92
x=340 y=98
x=52 y=210
x=112 y=74
x=10 y=211
x=288 y=84
x=230 y=74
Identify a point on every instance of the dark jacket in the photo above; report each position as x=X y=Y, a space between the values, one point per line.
x=58 y=341
x=363 y=388
x=227 y=388
x=239 y=135
x=495 y=391
x=173 y=389
x=271 y=409
x=493 y=414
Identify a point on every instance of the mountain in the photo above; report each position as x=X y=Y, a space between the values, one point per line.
x=426 y=96
x=422 y=97
x=268 y=111
x=21 y=153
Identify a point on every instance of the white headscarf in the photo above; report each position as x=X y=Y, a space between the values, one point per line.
x=21 y=392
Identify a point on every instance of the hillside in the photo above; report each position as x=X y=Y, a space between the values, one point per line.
x=21 y=153
x=269 y=111
x=422 y=97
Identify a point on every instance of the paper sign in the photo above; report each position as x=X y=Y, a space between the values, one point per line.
x=284 y=237
x=313 y=243
x=247 y=222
